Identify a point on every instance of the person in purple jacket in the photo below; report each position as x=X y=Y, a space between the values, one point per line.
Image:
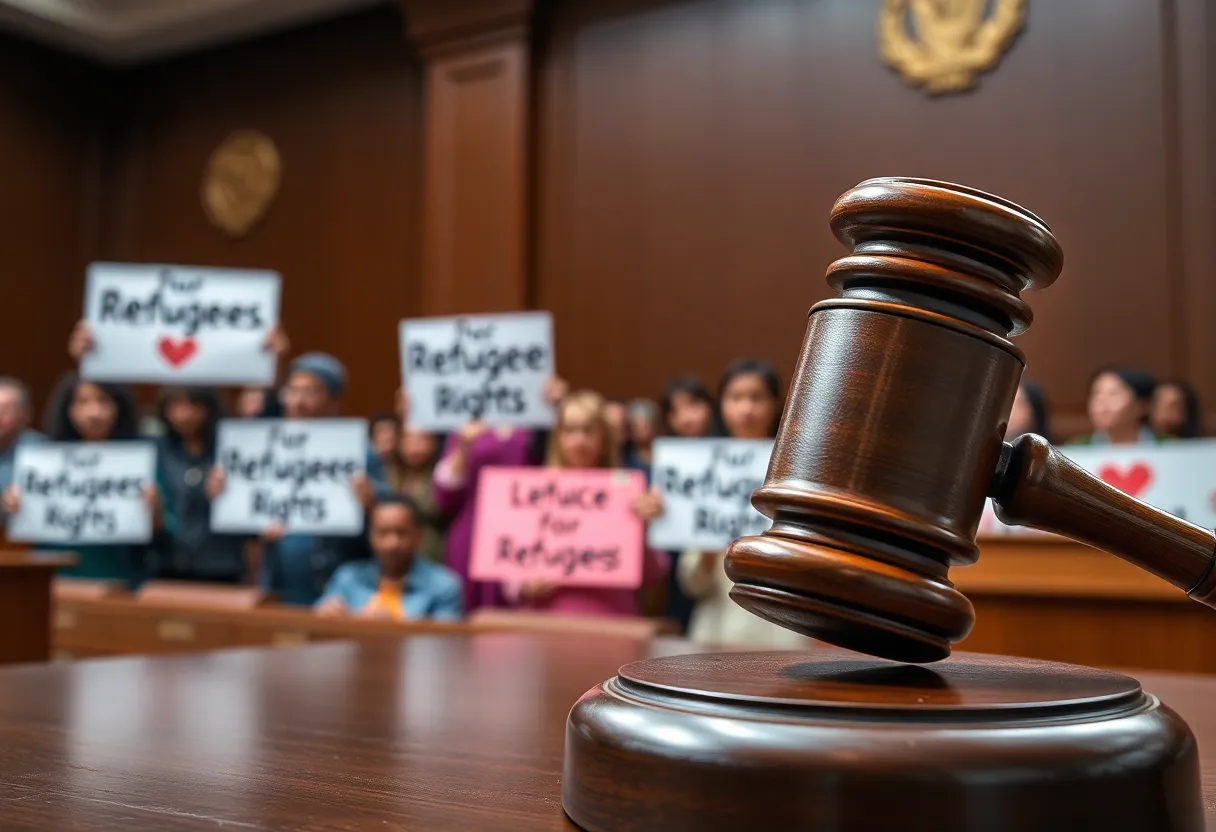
x=473 y=447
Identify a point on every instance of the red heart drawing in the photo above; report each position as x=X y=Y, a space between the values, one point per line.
x=176 y=353
x=1131 y=482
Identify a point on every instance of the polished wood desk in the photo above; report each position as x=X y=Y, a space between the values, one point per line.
x=429 y=733
x=25 y=605
x=1044 y=598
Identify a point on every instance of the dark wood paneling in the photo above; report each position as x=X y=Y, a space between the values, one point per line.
x=50 y=109
x=342 y=100
x=690 y=152
x=476 y=181
x=1194 y=130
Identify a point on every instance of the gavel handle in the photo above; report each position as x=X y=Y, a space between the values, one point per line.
x=1035 y=485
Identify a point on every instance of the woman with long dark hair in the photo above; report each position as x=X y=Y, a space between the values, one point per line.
x=749 y=407
x=82 y=411
x=688 y=411
x=187 y=549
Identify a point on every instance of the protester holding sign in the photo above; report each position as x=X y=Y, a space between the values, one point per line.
x=398 y=585
x=187 y=548
x=296 y=566
x=1118 y=407
x=688 y=408
x=89 y=413
x=491 y=368
x=581 y=439
x=15 y=412
x=179 y=324
x=750 y=408
x=474 y=446
x=689 y=411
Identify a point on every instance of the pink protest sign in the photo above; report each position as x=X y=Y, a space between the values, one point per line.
x=568 y=526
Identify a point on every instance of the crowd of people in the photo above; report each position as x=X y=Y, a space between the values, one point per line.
x=420 y=491
x=1125 y=406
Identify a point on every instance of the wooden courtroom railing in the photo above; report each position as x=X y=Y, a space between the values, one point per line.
x=1049 y=598
x=175 y=618
x=1041 y=597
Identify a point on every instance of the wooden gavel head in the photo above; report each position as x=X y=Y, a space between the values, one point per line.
x=893 y=435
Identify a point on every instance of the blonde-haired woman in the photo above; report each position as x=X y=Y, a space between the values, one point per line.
x=581 y=438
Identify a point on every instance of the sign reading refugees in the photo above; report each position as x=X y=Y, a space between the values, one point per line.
x=180 y=324
x=491 y=367
x=568 y=527
x=292 y=473
x=706 y=486
x=92 y=493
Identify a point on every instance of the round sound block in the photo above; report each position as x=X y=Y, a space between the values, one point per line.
x=834 y=741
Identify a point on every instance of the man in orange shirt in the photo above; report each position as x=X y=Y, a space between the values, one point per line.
x=398 y=585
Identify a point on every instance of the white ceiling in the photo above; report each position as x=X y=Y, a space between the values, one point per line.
x=132 y=31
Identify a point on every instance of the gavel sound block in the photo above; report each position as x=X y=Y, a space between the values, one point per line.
x=891 y=441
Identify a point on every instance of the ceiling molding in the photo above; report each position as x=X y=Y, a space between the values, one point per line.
x=125 y=32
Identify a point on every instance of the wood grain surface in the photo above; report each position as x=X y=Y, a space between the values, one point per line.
x=433 y=732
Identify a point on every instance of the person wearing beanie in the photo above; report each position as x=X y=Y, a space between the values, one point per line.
x=1118 y=407
x=296 y=567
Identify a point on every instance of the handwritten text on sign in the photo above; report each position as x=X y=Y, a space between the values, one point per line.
x=707 y=486
x=180 y=324
x=83 y=493
x=1177 y=477
x=492 y=367
x=570 y=527
x=296 y=474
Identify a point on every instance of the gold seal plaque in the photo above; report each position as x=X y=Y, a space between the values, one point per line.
x=240 y=182
x=942 y=45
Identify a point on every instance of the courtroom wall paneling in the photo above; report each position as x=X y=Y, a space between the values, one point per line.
x=342 y=102
x=49 y=167
x=689 y=152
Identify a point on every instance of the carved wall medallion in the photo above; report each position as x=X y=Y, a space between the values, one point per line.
x=942 y=45
x=240 y=181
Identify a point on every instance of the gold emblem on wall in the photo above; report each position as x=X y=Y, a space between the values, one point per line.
x=942 y=45
x=240 y=181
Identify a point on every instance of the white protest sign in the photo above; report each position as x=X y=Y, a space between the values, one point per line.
x=188 y=324
x=71 y=492
x=1176 y=477
x=492 y=367
x=295 y=473
x=706 y=486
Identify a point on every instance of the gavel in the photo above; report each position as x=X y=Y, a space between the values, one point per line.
x=894 y=433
